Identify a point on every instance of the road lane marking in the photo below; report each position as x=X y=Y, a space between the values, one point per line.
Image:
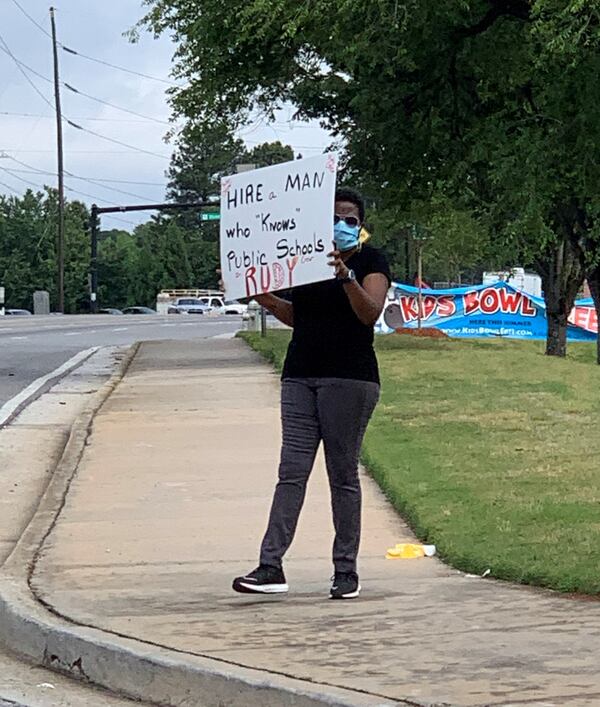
x=120 y=328
x=18 y=338
x=14 y=406
x=73 y=333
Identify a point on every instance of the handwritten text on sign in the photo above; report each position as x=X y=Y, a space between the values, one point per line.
x=277 y=226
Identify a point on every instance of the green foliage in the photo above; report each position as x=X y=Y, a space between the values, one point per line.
x=28 y=249
x=489 y=106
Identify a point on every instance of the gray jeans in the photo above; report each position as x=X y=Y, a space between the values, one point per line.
x=337 y=411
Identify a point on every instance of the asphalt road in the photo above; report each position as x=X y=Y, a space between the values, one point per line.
x=31 y=347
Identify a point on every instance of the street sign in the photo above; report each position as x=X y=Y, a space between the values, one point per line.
x=210 y=216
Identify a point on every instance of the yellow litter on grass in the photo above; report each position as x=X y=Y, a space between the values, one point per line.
x=409 y=551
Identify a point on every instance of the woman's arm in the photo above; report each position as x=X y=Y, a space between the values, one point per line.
x=280 y=308
x=367 y=300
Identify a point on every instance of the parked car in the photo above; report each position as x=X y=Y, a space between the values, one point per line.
x=191 y=305
x=234 y=307
x=139 y=310
x=17 y=313
x=109 y=310
x=174 y=309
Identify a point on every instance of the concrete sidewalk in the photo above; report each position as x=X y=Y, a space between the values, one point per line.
x=170 y=502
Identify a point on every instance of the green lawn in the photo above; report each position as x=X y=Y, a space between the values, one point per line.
x=490 y=450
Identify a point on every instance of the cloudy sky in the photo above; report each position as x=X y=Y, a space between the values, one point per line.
x=27 y=124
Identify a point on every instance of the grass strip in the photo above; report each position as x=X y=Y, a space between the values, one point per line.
x=489 y=449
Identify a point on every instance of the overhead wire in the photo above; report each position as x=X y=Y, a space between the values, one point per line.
x=85 y=117
x=116 y=142
x=91 y=180
x=18 y=65
x=7 y=186
x=91 y=58
x=22 y=65
x=67 y=188
x=112 y=105
x=115 y=66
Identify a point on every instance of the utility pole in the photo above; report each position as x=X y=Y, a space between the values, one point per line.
x=61 y=186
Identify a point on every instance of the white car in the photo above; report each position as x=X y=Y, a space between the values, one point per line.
x=191 y=305
x=218 y=305
x=234 y=307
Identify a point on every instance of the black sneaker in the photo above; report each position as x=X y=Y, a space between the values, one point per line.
x=263 y=580
x=345 y=586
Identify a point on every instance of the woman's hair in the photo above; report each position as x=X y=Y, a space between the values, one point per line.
x=352 y=196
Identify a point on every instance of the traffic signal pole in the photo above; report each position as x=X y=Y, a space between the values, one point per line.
x=96 y=211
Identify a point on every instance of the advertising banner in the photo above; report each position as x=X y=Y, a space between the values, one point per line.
x=277 y=226
x=481 y=311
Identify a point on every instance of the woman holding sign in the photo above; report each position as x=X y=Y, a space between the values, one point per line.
x=330 y=386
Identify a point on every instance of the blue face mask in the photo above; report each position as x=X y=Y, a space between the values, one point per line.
x=345 y=237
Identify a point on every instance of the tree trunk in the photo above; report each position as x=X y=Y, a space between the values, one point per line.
x=562 y=275
x=594 y=283
x=556 y=339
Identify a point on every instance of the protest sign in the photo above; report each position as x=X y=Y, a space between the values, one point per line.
x=277 y=226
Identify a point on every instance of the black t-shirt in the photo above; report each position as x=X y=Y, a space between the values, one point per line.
x=329 y=341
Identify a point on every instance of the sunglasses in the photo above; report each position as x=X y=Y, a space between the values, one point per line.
x=351 y=221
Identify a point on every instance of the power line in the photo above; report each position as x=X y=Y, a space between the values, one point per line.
x=112 y=105
x=91 y=180
x=104 y=120
x=116 y=142
x=7 y=186
x=122 y=220
x=74 y=191
x=71 y=152
x=75 y=125
x=22 y=65
x=120 y=68
x=91 y=58
x=18 y=65
x=37 y=24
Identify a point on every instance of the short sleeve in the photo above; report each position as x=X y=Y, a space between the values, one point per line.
x=377 y=263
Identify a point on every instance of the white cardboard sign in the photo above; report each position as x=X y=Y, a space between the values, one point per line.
x=277 y=226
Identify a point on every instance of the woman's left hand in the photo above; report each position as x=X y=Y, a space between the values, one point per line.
x=341 y=270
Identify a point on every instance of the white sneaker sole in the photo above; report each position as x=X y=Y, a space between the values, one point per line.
x=350 y=595
x=265 y=588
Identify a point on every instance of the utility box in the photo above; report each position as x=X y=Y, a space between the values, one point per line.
x=41 y=302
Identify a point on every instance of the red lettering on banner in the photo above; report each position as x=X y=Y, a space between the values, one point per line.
x=443 y=306
x=446 y=306
x=408 y=307
x=489 y=302
x=471 y=302
x=492 y=300
x=510 y=301
x=528 y=308
x=585 y=318
x=428 y=306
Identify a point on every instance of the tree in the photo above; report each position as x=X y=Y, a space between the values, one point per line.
x=490 y=104
x=28 y=249
x=204 y=154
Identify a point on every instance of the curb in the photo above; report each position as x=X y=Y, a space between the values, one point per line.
x=41 y=385
x=126 y=666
